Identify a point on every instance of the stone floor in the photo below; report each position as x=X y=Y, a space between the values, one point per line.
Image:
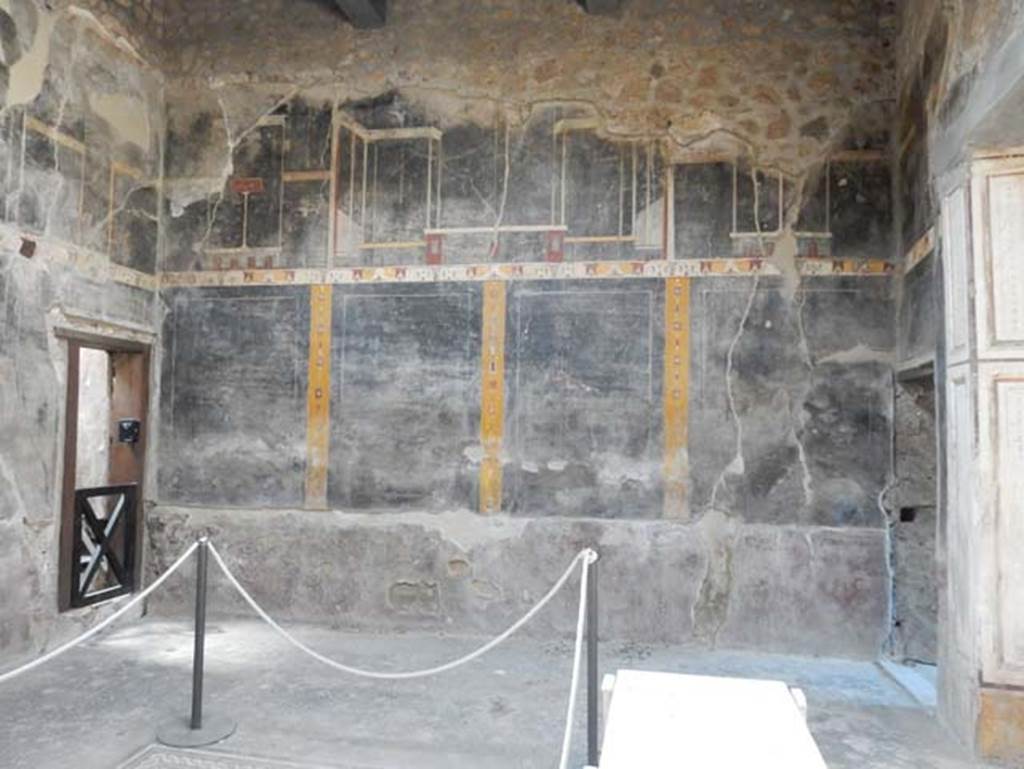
x=98 y=706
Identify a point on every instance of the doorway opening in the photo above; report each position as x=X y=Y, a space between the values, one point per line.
x=914 y=529
x=104 y=466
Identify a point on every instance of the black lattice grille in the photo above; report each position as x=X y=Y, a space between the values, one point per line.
x=104 y=543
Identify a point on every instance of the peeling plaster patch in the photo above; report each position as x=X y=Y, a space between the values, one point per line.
x=451 y=110
x=712 y=605
x=805 y=348
x=462 y=528
x=784 y=258
x=615 y=469
x=458 y=568
x=127 y=115
x=27 y=73
x=485 y=589
x=860 y=353
x=808 y=479
x=474 y=454
x=737 y=466
x=409 y=597
x=242 y=111
x=116 y=40
x=13 y=504
x=181 y=193
x=244 y=108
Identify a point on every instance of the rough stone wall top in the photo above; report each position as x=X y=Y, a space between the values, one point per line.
x=963 y=33
x=789 y=79
x=140 y=23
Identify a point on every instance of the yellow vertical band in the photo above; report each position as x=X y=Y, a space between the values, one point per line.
x=676 y=394
x=492 y=395
x=318 y=397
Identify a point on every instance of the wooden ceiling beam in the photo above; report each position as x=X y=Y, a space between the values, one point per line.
x=602 y=7
x=364 y=14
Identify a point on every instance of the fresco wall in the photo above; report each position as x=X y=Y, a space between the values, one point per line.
x=81 y=130
x=456 y=321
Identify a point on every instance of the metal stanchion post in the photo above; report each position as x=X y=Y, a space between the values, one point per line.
x=593 y=685
x=197 y=731
x=199 y=644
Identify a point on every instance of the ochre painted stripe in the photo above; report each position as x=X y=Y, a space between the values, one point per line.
x=492 y=395
x=34 y=124
x=306 y=176
x=123 y=169
x=318 y=397
x=676 y=395
x=920 y=250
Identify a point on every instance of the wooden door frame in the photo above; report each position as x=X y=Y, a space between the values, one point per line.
x=75 y=342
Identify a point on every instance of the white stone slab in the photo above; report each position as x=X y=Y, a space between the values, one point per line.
x=668 y=720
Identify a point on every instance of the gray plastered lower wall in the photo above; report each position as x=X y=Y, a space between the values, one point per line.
x=798 y=589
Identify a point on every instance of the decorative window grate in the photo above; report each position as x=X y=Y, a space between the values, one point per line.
x=103 y=558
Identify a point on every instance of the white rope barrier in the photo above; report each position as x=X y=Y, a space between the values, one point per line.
x=586 y=557
x=582 y=555
x=589 y=556
x=102 y=625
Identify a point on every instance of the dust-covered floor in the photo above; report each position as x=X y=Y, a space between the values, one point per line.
x=100 y=704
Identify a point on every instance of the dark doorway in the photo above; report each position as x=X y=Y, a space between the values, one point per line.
x=912 y=504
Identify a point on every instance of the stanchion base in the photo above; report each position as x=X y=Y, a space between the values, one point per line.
x=177 y=733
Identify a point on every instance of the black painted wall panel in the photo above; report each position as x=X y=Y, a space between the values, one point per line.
x=406 y=393
x=813 y=201
x=234 y=397
x=790 y=414
x=861 y=210
x=134 y=232
x=398 y=175
x=306 y=224
x=703 y=210
x=308 y=131
x=583 y=420
x=471 y=176
x=764 y=197
x=598 y=185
